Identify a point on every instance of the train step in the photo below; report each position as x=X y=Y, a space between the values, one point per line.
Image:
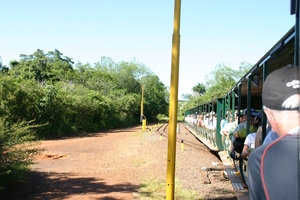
x=234 y=176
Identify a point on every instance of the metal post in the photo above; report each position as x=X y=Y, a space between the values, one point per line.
x=170 y=183
x=143 y=118
x=264 y=119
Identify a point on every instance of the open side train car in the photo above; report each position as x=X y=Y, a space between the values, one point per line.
x=245 y=94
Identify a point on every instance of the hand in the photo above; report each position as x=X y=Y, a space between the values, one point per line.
x=235 y=135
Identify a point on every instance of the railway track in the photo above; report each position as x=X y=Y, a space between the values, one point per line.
x=163 y=131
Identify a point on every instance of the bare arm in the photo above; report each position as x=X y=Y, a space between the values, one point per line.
x=245 y=152
x=258 y=140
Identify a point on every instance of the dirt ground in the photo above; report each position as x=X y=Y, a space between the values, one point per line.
x=111 y=165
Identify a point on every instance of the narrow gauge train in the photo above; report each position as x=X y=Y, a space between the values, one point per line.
x=245 y=94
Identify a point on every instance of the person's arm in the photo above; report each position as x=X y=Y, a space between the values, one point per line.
x=258 y=140
x=245 y=152
x=235 y=134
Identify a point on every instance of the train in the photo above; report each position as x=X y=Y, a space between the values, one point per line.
x=245 y=94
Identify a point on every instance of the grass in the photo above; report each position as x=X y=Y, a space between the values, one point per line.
x=153 y=188
x=139 y=162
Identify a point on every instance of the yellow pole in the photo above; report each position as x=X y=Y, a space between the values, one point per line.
x=170 y=183
x=144 y=125
x=142 y=112
x=182 y=145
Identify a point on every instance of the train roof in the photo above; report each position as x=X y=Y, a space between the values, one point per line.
x=281 y=54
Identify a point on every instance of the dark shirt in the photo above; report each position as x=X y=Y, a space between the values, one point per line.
x=273 y=170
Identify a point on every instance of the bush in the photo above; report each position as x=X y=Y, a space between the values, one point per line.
x=17 y=148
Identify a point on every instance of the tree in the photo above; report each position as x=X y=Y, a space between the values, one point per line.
x=3 y=68
x=218 y=82
x=199 y=89
x=42 y=67
x=221 y=75
x=155 y=95
x=243 y=69
x=187 y=97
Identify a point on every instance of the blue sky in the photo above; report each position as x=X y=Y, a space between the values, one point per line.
x=211 y=32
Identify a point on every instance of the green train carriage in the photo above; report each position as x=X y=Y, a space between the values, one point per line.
x=245 y=94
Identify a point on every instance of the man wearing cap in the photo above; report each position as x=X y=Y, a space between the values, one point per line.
x=243 y=122
x=273 y=168
x=249 y=143
x=240 y=135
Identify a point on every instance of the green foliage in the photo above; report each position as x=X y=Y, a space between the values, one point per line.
x=41 y=67
x=156 y=96
x=222 y=79
x=243 y=69
x=3 y=68
x=221 y=75
x=68 y=100
x=218 y=83
x=18 y=98
x=17 y=148
x=44 y=96
x=162 y=118
x=187 y=97
x=199 y=89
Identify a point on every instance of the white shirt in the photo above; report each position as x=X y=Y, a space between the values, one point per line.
x=250 y=140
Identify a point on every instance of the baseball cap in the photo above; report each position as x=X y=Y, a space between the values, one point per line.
x=281 y=89
x=259 y=114
x=252 y=111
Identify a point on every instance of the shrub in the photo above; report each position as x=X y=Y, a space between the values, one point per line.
x=18 y=145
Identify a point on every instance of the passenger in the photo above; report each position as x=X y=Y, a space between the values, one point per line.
x=249 y=143
x=229 y=128
x=243 y=121
x=240 y=135
x=271 y=136
x=258 y=138
x=194 y=119
x=187 y=119
x=223 y=122
x=241 y=125
x=200 y=121
x=273 y=168
x=213 y=121
x=206 y=120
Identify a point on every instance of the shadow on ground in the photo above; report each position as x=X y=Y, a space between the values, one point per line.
x=41 y=185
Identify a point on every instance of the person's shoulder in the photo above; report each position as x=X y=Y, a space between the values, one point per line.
x=270 y=137
x=281 y=145
x=240 y=126
x=285 y=139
